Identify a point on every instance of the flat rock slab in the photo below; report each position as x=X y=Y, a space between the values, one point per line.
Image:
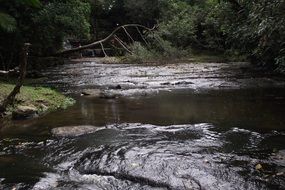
x=96 y=93
x=24 y=112
x=123 y=79
x=92 y=92
x=74 y=131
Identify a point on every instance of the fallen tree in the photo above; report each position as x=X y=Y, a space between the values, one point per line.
x=112 y=35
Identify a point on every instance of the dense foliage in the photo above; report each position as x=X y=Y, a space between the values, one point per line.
x=59 y=20
x=44 y=24
x=253 y=29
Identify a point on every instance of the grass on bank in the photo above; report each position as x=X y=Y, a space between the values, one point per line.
x=193 y=58
x=170 y=54
x=44 y=99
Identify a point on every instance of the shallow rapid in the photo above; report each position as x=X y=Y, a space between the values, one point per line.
x=169 y=134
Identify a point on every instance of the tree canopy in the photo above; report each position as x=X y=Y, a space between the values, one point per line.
x=254 y=29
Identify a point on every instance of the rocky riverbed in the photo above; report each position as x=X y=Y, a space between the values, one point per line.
x=135 y=79
x=141 y=127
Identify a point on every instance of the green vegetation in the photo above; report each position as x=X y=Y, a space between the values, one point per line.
x=235 y=28
x=228 y=30
x=57 y=21
x=44 y=99
x=252 y=29
x=44 y=24
x=231 y=28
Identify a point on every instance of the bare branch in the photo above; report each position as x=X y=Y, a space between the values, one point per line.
x=122 y=43
x=142 y=36
x=103 y=40
x=103 y=50
x=128 y=34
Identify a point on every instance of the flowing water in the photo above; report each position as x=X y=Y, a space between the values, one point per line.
x=219 y=128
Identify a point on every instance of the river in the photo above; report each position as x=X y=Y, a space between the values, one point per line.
x=175 y=126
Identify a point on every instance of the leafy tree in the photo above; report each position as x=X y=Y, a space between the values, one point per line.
x=177 y=24
x=237 y=27
x=13 y=16
x=251 y=28
x=45 y=24
x=145 y=12
x=255 y=29
x=58 y=20
x=8 y=22
x=110 y=13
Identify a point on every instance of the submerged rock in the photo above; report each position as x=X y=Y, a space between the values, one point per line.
x=74 y=131
x=24 y=112
x=108 y=95
x=279 y=157
x=124 y=77
x=96 y=93
x=92 y=92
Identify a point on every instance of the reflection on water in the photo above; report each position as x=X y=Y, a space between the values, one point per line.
x=172 y=140
x=251 y=109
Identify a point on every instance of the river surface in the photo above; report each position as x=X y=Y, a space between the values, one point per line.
x=174 y=127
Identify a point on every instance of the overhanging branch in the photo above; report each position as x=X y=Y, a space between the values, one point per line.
x=91 y=45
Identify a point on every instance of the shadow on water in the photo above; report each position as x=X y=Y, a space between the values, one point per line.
x=257 y=109
x=178 y=140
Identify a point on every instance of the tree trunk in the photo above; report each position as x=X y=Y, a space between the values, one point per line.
x=23 y=69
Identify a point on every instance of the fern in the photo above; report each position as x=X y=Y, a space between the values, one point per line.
x=7 y=22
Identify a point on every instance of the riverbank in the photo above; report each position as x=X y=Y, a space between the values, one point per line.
x=39 y=99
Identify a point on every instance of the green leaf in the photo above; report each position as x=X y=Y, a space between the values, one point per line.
x=7 y=22
x=32 y=3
